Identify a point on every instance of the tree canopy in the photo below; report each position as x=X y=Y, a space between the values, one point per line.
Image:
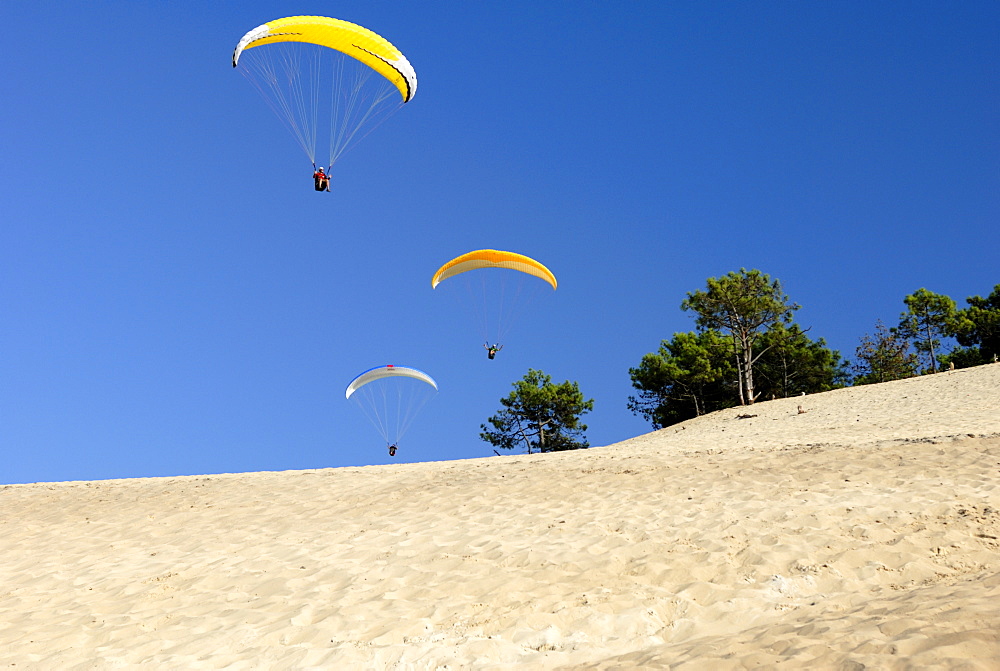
x=929 y=316
x=791 y=364
x=977 y=329
x=690 y=375
x=539 y=416
x=884 y=356
x=744 y=306
x=746 y=347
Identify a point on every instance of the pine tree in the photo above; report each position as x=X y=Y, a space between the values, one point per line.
x=539 y=416
x=744 y=306
x=883 y=357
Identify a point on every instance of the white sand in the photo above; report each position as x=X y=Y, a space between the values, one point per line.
x=862 y=533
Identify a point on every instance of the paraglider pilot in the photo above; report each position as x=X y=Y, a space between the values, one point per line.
x=392 y=450
x=321 y=178
x=491 y=350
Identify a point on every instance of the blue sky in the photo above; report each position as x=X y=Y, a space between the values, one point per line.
x=176 y=299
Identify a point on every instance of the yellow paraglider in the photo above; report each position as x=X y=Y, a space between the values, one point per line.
x=493 y=258
x=371 y=49
x=496 y=298
x=327 y=79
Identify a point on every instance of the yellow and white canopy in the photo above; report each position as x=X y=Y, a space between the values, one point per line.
x=357 y=42
x=493 y=258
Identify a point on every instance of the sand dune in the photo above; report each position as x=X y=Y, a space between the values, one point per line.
x=859 y=533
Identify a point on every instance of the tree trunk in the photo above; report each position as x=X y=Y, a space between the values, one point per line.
x=739 y=370
x=748 y=370
x=930 y=345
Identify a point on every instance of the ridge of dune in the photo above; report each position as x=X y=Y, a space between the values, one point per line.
x=861 y=531
x=953 y=403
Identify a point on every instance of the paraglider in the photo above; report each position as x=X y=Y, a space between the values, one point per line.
x=326 y=79
x=502 y=284
x=391 y=396
x=321 y=180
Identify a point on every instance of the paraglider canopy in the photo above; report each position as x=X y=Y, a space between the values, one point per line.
x=331 y=82
x=380 y=372
x=495 y=295
x=391 y=396
x=493 y=258
x=370 y=48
